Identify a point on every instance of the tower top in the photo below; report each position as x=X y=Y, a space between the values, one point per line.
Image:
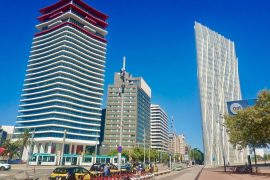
x=124 y=63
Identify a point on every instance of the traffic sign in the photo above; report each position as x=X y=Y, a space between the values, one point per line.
x=119 y=149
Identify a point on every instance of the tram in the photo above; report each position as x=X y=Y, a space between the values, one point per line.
x=43 y=159
x=72 y=159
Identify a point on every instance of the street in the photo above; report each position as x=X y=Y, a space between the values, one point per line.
x=23 y=172
x=42 y=172
x=186 y=174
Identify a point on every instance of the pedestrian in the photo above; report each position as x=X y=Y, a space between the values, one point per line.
x=151 y=168
x=105 y=170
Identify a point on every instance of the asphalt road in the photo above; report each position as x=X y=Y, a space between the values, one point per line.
x=25 y=173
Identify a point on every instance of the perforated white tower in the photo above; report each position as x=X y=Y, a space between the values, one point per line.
x=217 y=67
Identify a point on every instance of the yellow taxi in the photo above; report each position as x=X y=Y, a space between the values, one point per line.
x=70 y=173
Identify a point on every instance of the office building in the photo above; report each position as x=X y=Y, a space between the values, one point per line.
x=6 y=133
x=63 y=87
x=177 y=144
x=159 y=129
x=218 y=77
x=136 y=114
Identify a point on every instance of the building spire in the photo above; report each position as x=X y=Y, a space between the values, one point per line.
x=124 y=63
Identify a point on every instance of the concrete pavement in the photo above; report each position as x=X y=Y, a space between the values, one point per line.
x=185 y=174
x=219 y=174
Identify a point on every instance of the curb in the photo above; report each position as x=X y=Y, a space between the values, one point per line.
x=198 y=175
x=162 y=173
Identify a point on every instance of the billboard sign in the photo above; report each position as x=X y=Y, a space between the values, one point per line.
x=234 y=106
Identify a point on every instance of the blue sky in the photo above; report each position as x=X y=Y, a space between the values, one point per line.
x=157 y=37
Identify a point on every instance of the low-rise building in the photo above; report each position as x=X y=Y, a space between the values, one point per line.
x=177 y=144
x=6 y=132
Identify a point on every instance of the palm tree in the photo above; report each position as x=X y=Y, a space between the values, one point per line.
x=12 y=149
x=24 y=139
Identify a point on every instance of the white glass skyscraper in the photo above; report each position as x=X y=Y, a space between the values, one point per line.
x=218 y=77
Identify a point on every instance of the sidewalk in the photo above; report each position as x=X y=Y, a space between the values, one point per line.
x=218 y=173
x=185 y=174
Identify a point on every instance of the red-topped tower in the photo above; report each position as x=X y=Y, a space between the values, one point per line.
x=64 y=84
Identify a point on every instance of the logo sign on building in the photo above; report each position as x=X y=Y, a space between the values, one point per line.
x=234 y=106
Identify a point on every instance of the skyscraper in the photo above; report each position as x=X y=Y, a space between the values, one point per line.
x=218 y=77
x=63 y=87
x=136 y=113
x=159 y=129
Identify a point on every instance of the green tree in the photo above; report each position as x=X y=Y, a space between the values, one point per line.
x=125 y=153
x=12 y=149
x=196 y=155
x=137 y=154
x=251 y=126
x=112 y=153
x=24 y=140
x=164 y=157
x=153 y=155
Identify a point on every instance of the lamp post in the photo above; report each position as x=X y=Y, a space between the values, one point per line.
x=96 y=151
x=144 y=145
x=149 y=159
x=123 y=78
x=222 y=126
x=30 y=146
x=174 y=139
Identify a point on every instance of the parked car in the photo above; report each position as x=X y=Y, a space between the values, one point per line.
x=4 y=165
x=126 y=168
x=96 y=169
x=70 y=173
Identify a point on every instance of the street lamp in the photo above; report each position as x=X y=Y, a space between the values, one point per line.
x=144 y=145
x=123 y=78
x=222 y=126
x=174 y=140
x=31 y=146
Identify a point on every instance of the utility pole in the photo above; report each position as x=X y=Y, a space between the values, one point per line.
x=63 y=147
x=123 y=78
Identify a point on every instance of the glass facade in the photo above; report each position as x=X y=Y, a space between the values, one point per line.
x=63 y=87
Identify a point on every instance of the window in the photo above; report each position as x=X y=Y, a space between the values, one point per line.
x=87 y=159
x=33 y=159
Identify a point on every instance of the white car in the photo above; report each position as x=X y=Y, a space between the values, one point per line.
x=4 y=165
